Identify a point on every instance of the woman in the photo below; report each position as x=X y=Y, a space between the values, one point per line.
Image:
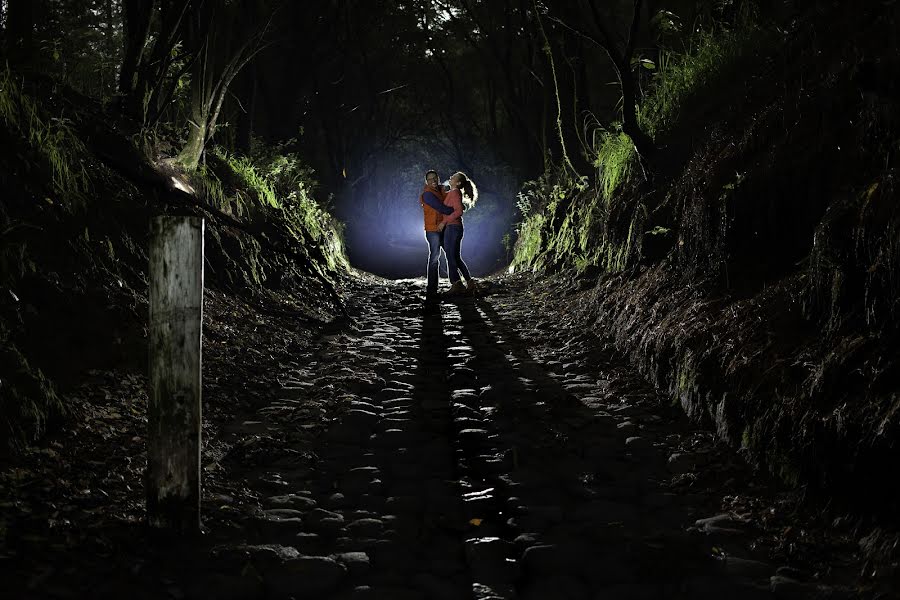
x=462 y=191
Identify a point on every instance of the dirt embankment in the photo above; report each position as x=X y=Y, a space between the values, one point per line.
x=771 y=308
x=80 y=186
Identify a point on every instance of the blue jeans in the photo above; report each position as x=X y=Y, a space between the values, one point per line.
x=453 y=235
x=435 y=241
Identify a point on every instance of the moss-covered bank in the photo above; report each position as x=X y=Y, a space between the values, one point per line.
x=80 y=185
x=755 y=272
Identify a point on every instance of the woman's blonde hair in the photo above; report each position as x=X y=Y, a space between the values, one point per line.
x=468 y=188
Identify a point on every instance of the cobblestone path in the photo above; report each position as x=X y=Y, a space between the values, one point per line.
x=483 y=449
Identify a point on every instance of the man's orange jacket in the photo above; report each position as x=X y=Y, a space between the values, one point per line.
x=433 y=218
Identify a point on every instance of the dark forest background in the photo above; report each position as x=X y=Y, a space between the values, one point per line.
x=369 y=95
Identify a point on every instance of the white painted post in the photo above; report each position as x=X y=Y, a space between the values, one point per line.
x=176 y=317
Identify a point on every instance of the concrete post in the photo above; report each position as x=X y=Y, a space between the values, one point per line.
x=174 y=412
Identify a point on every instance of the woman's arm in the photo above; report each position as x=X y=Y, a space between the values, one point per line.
x=454 y=199
x=435 y=203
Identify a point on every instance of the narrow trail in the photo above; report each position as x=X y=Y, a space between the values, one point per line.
x=483 y=449
x=491 y=447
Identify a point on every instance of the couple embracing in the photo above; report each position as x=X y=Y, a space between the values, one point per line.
x=444 y=229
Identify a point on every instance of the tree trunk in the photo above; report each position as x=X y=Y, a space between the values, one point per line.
x=630 y=126
x=136 y=17
x=621 y=60
x=221 y=45
x=189 y=157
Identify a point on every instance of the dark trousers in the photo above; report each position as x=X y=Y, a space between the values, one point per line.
x=453 y=235
x=435 y=241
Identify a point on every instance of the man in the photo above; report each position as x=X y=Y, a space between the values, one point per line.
x=432 y=201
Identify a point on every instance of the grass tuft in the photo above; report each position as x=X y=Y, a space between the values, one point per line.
x=52 y=138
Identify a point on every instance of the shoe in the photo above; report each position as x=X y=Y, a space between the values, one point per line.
x=471 y=287
x=457 y=289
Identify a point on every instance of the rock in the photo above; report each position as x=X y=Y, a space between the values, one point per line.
x=638 y=444
x=791 y=589
x=720 y=524
x=278 y=514
x=481 y=591
x=525 y=540
x=550 y=559
x=324 y=521
x=337 y=500
x=488 y=549
x=362 y=419
x=357 y=563
x=580 y=388
x=626 y=428
x=365 y=528
x=263 y=556
x=294 y=501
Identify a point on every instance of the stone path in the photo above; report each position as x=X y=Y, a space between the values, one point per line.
x=482 y=449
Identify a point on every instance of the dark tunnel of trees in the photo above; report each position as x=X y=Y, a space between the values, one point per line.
x=370 y=94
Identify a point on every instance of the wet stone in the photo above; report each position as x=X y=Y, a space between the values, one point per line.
x=488 y=549
x=464 y=396
x=231 y=557
x=364 y=407
x=626 y=428
x=360 y=418
x=482 y=591
x=720 y=524
x=366 y=528
x=324 y=521
x=294 y=501
x=278 y=514
x=547 y=559
x=580 y=388
x=337 y=500
x=357 y=563
x=790 y=589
